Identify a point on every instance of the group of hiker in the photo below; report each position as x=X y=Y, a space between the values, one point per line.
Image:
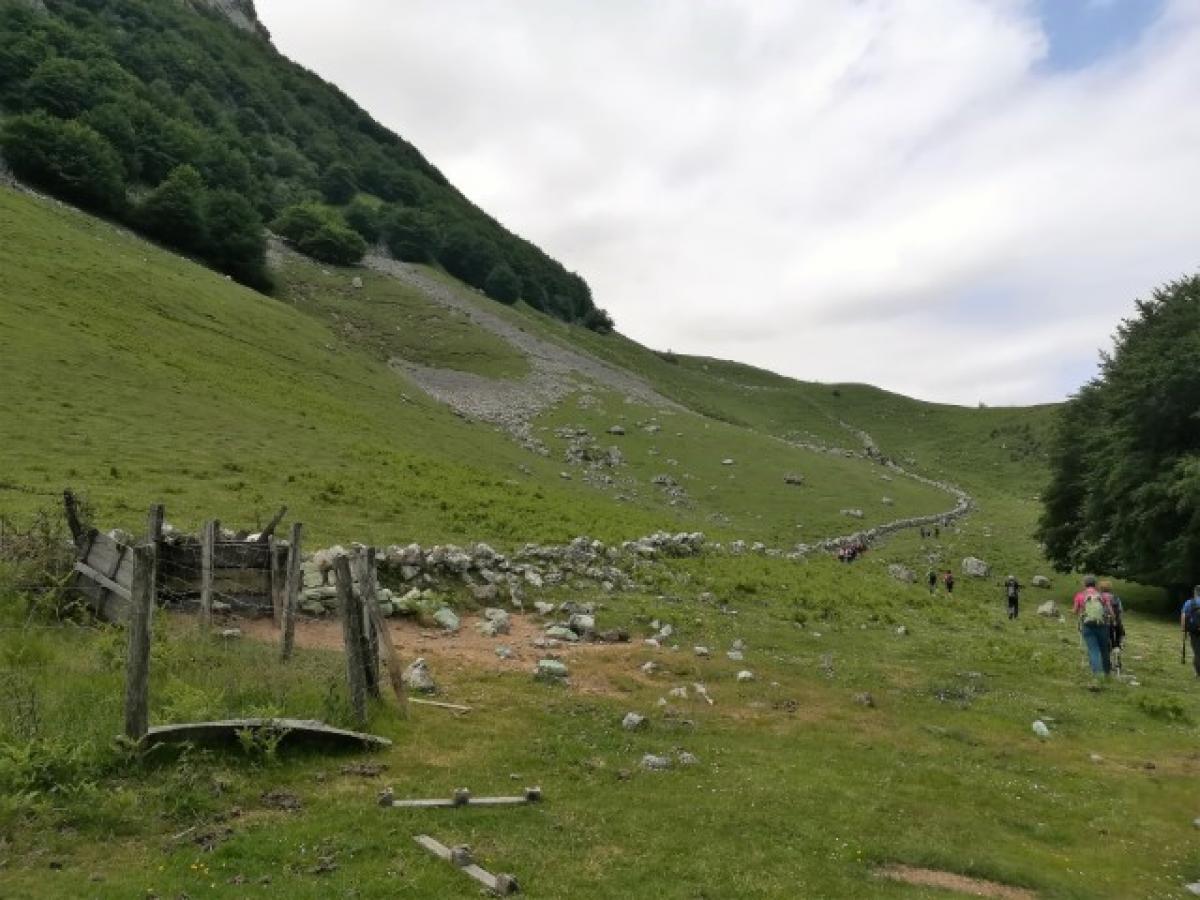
x=1101 y=624
x=848 y=553
x=946 y=577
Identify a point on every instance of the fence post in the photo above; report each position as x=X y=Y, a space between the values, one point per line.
x=368 y=601
x=208 y=540
x=292 y=595
x=137 y=663
x=277 y=578
x=382 y=636
x=154 y=533
x=352 y=637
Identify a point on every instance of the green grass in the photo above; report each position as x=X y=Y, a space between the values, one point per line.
x=138 y=376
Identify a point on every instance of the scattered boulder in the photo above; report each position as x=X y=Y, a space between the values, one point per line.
x=865 y=699
x=616 y=430
x=583 y=625
x=485 y=593
x=417 y=677
x=887 y=501
x=543 y=608
x=702 y=652
x=551 y=669
x=735 y=655
x=504 y=651
x=1040 y=729
x=738 y=645
x=901 y=630
x=1048 y=609
x=687 y=759
x=744 y=676
x=649 y=667
x=793 y=478
x=561 y=633
x=727 y=462
x=614 y=636
x=656 y=763
x=902 y=573
x=1040 y=581
x=680 y=692
x=632 y=721
x=853 y=513
x=499 y=619
x=976 y=567
x=446 y=619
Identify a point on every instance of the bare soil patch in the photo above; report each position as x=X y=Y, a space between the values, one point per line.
x=951 y=881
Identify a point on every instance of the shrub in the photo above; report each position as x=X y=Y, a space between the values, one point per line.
x=364 y=218
x=173 y=212
x=321 y=233
x=235 y=243
x=337 y=184
x=503 y=284
x=69 y=159
x=410 y=235
x=599 y=321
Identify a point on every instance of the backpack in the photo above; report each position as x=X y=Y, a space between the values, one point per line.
x=1012 y=590
x=1094 y=610
x=1193 y=617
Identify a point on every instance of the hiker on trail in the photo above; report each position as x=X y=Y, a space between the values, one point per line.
x=1094 y=617
x=1116 y=628
x=1012 y=590
x=1189 y=621
x=932 y=576
x=948 y=578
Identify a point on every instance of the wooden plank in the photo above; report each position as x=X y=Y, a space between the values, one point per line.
x=438 y=703
x=460 y=858
x=278 y=577
x=294 y=730
x=352 y=637
x=462 y=797
x=74 y=520
x=365 y=563
x=208 y=538
x=269 y=531
x=292 y=595
x=104 y=581
x=137 y=663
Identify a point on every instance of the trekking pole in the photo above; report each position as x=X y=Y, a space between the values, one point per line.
x=1183 y=651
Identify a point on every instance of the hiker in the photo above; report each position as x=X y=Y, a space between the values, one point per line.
x=1116 y=628
x=1189 y=621
x=948 y=578
x=1094 y=618
x=1012 y=590
x=932 y=576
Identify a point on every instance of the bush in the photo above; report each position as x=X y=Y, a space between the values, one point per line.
x=67 y=158
x=410 y=235
x=363 y=217
x=321 y=233
x=599 y=321
x=337 y=184
x=235 y=242
x=173 y=212
x=503 y=284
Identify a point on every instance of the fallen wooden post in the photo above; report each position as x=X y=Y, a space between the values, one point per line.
x=460 y=857
x=461 y=797
x=440 y=705
x=266 y=533
x=292 y=731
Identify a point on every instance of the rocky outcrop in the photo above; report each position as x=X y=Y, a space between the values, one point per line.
x=240 y=13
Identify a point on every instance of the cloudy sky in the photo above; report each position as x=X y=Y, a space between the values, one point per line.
x=954 y=199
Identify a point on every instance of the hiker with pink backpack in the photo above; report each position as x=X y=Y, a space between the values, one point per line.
x=1095 y=614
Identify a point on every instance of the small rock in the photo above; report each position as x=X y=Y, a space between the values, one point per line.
x=901 y=630
x=649 y=667
x=562 y=633
x=656 y=763
x=680 y=692
x=632 y=721
x=446 y=618
x=543 y=608
x=902 y=573
x=865 y=699
x=1040 y=581
x=1193 y=888
x=356 y=282
x=1040 y=729
x=738 y=645
x=745 y=675
x=583 y=625
x=231 y=633
x=504 y=652
x=1048 y=609
x=727 y=462
x=976 y=567
x=1096 y=758
x=417 y=677
x=702 y=651
x=735 y=655
x=617 y=430
x=687 y=759
x=551 y=669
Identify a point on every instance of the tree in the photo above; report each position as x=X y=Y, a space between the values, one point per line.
x=599 y=321
x=503 y=284
x=337 y=184
x=173 y=211
x=236 y=244
x=1124 y=495
x=68 y=159
x=410 y=234
x=468 y=254
x=363 y=217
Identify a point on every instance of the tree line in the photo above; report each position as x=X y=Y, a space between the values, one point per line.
x=197 y=134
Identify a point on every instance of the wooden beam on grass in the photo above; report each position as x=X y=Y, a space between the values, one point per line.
x=456 y=707
x=460 y=857
x=462 y=797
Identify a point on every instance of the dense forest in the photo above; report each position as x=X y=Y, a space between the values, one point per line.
x=197 y=134
x=1124 y=495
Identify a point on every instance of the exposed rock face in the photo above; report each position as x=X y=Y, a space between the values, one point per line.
x=240 y=13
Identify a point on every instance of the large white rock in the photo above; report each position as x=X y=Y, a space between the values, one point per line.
x=976 y=567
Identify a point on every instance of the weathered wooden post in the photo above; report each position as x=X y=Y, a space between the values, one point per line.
x=154 y=532
x=137 y=663
x=352 y=637
x=208 y=541
x=292 y=593
x=383 y=637
x=278 y=578
x=365 y=562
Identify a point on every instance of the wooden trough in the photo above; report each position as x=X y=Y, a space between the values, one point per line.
x=306 y=731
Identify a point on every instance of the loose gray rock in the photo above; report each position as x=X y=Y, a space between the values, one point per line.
x=542 y=608
x=504 y=652
x=551 y=669
x=853 y=513
x=702 y=652
x=744 y=676
x=865 y=699
x=902 y=573
x=583 y=625
x=632 y=721
x=417 y=677
x=561 y=633
x=649 y=667
x=1040 y=729
x=727 y=462
x=792 y=478
x=735 y=655
x=485 y=593
x=617 y=430
x=976 y=567
x=738 y=645
x=499 y=619
x=687 y=759
x=1040 y=581
x=446 y=618
x=1048 y=609
x=656 y=763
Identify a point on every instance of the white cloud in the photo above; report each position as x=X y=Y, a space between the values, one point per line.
x=891 y=191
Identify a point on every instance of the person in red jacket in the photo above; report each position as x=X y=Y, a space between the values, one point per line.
x=1095 y=615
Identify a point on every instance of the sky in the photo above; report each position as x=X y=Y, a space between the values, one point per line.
x=957 y=200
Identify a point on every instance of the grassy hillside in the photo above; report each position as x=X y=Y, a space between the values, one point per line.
x=138 y=376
